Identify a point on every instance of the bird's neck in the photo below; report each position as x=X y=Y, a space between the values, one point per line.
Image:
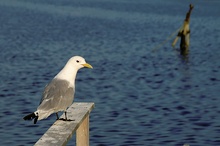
x=68 y=73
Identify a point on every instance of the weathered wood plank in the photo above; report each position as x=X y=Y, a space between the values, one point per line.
x=61 y=131
x=82 y=133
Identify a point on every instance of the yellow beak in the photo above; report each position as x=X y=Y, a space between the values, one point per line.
x=87 y=65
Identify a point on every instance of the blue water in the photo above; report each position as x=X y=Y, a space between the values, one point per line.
x=142 y=97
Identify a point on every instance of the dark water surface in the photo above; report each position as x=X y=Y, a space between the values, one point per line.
x=142 y=97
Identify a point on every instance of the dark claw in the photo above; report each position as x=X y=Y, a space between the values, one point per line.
x=65 y=119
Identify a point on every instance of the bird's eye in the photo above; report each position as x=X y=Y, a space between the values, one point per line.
x=77 y=61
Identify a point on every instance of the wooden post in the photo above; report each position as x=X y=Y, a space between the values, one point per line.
x=61 y=131
x=82 y=133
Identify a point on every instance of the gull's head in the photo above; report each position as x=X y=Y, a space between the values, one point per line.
x=78 y=62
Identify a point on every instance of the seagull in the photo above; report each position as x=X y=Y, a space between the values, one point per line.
x=58 y=95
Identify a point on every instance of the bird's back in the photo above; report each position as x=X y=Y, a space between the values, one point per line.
x=57 y=96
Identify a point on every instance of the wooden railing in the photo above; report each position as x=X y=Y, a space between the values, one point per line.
x=61 y=131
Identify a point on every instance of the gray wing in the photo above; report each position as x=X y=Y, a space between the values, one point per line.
x=57 y=95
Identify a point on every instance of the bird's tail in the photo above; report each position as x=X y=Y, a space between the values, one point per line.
x=32 y=116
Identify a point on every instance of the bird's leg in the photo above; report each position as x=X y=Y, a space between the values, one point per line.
x=65 y=116
x=57 y=116
x=65 y=119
